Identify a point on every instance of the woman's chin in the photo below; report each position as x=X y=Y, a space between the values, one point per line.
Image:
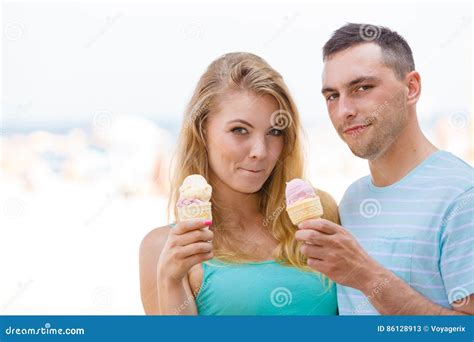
x=247 y=188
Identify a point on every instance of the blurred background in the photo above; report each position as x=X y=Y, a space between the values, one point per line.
x=92 y=100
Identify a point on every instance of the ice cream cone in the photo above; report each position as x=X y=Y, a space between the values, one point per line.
x=194 y=199
x=306 y=209
x=195 y=211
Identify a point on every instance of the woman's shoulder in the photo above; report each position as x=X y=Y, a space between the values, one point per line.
x=150 y=249
x=155 y=239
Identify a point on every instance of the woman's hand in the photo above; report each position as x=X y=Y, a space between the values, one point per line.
x=187 y=244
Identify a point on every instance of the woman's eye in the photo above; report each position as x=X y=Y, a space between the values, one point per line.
x=239 y=130
x=276 y=132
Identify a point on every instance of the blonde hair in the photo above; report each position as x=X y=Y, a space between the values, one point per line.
x=247 y=72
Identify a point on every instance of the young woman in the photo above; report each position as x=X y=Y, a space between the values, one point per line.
x=242 y=132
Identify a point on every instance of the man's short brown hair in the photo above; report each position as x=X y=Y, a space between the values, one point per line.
x=395 y=50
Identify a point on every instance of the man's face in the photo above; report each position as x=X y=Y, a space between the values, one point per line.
x=366 y=102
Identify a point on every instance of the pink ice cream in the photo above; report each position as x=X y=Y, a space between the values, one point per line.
x=194 y=190
x=182 y=202
x=298 y=190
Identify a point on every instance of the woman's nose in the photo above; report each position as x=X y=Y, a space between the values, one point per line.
x=258 y=148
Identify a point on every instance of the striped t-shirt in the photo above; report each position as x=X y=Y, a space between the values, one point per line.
x=420 y=228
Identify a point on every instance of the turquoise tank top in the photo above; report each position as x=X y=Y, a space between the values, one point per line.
x=263 y=288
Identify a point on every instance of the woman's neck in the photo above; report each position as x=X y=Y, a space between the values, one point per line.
x=237 y=209
x=243 y=219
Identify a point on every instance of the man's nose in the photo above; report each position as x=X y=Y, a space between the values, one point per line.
x=346 y=108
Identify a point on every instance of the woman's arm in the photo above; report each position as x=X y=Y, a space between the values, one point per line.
x=166 y=256
x=161 y=297
x=176 y=298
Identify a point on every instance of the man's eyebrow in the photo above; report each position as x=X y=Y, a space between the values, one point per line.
x=360 y=80
x=353 y=82
x=327 y=90
x=241 y=121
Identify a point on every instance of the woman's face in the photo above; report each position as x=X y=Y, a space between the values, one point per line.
x=243 y=146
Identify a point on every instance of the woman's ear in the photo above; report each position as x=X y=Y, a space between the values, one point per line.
x=413 y=82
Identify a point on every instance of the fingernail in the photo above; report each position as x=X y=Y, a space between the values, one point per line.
x=207 y=222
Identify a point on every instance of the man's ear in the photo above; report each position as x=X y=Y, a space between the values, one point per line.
x=413 y=82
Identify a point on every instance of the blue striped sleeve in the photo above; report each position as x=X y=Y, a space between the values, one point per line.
x=457 y=247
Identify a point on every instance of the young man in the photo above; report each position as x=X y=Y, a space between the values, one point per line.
x=406 y=245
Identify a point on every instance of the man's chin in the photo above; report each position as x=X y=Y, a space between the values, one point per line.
x=360 y=151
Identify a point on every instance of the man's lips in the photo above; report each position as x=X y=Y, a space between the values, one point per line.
x=355 y=129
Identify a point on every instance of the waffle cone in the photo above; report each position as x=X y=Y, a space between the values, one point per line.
x=306 y=209
x=195 y=211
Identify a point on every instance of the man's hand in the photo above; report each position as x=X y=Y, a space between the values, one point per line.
x=333 y=251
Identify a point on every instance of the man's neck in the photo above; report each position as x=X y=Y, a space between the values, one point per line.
x=409 y=149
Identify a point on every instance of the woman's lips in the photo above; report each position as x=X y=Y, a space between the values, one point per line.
x=252 y=171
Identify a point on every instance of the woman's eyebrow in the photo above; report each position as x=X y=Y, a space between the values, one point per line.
x=241 y=121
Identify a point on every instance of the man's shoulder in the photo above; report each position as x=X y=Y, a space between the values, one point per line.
x=449 y=164
x=357 y=188
x=451 y=171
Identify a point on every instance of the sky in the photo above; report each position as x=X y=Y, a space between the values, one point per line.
x=63 y=62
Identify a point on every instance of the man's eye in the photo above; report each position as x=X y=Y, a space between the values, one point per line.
x=331 y=97
x=239 y=130
x=364 y=88
x=276 y=132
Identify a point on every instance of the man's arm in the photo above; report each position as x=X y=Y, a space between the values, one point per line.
x=396 y=297
x=333 y=251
